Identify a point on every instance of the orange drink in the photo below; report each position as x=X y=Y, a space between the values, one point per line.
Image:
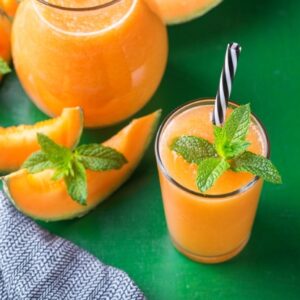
x=215 y=226
x=106 y=56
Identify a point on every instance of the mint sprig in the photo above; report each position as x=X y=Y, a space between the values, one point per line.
x=71 y=165
x=4 y=67
x=229 y=151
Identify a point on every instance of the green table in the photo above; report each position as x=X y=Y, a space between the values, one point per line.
x=129 y=229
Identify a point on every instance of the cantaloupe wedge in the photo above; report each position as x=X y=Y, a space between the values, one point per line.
x=180 y=11
x=18 y=142
x=38 y=196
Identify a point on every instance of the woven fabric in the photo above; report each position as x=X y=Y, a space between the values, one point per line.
x=35 y=264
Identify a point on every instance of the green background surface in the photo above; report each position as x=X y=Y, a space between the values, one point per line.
x=129 y=230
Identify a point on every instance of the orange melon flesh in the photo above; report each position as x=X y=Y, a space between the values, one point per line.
x=18 y=142
x=5 y=32
x=40 y=197
x=179 y=11
x=10 y=6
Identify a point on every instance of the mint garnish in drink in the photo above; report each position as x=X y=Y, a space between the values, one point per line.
x=71 y=165
x=229 y=152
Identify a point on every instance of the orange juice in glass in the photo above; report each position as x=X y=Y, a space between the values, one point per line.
x=215 y=226
x=106 y=56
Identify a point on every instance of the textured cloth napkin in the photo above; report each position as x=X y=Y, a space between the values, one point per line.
x=35 y=264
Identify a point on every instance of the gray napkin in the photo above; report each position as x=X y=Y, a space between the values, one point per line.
x=35 y=264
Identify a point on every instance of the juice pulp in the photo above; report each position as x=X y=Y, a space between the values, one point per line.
x=207 y=229
x=109 y=60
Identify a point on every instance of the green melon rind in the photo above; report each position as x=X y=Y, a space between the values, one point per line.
x=76 y=142
x=194 y=15
x=6 y=190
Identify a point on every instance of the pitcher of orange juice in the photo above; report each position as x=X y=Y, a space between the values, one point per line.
x=107 y=56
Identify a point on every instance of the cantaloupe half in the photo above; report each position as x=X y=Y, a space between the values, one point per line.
x=18 y=142
x=38 y=196
x=179 y=11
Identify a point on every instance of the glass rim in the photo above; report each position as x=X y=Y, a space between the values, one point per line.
x=181 y=109
x=79 y=9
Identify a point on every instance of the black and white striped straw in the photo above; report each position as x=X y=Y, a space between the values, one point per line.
x=230 y=65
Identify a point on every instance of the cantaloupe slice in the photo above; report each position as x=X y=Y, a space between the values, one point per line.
x=179 y=11
x=40 y=197
x=18 y=142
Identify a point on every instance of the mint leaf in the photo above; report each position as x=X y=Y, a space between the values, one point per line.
x=37 y=162
x=193 y=149
x=50 y=147
x=97 y=157
x=4 y=67
x=237 y=126
x=77 y=183
x=209 y=170
x=257 y=165
x=60 y=156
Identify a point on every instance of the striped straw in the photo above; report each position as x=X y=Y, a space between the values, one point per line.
x=231 y=58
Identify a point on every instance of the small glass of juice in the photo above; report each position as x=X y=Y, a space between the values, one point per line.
x=106 y=56
x=214 y=226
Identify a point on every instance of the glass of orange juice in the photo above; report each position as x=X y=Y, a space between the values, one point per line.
x=107 y=56
x=215 y=226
